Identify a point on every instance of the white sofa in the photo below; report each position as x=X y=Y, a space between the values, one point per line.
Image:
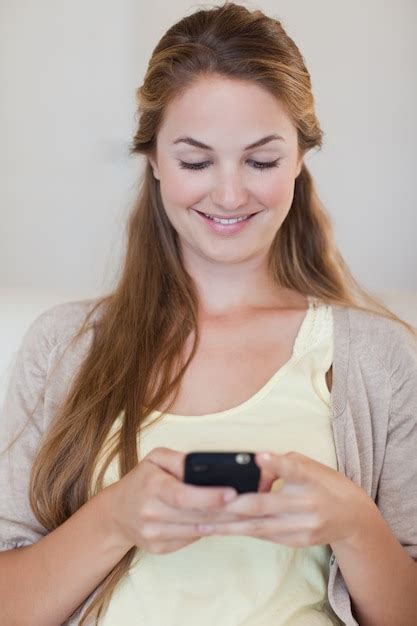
x=20 y=306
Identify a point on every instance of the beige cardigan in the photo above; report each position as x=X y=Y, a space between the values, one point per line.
x=374 y=421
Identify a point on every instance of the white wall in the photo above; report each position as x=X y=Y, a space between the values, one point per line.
x=68 y=74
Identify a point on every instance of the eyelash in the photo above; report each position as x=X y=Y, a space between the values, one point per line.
x=259 y=164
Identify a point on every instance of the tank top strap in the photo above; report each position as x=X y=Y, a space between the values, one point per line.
x=317 y=326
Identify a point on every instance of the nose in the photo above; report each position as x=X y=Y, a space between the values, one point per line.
x=230 y=192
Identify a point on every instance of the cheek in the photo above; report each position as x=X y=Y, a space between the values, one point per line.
x=277 y=193
x=183 y=189
x=180 y=189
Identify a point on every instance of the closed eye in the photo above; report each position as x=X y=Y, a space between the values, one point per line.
x=257 y=165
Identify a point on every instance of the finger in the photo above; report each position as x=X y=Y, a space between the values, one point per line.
x=294 y=539
x=160 y=512
x=289 y=466
x=169 y=460
x=266 y=480
x=257 y=527
x=261 y=527
x=170 y=532
x=272 y=503
x=182 y=496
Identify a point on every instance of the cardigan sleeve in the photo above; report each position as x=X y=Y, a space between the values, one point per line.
x=34 y=391
x=24 y=396
x=397 y=489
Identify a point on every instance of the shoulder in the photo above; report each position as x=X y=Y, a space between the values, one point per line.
x=42 y=367
x=388 y=350
x=46 y=337
x=58 y=324
x=388 y=338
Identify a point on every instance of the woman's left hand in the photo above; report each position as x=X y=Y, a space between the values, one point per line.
x=315 y=505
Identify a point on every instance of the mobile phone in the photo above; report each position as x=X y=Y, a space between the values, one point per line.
x=219 y=469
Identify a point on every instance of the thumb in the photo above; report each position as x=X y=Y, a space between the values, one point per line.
x=266 y=480
x=172 y=461
x=289 y=466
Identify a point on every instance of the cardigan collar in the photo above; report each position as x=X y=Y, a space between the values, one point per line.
x=341 y=333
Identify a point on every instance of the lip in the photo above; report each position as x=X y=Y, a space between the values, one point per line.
x=227 y=217
x=224 y=229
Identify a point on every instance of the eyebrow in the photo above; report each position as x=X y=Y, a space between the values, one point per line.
x=256 y=144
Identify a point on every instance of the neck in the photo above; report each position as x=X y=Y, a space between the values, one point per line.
x=232 y=288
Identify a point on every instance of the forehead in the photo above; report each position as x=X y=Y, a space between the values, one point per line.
x=221 y=107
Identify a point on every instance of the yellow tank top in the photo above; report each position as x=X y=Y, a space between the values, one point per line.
x=240 y=580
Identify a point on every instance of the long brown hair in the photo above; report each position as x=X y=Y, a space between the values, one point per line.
x=145 y=321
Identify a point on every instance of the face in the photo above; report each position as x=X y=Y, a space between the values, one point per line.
x=227 y=178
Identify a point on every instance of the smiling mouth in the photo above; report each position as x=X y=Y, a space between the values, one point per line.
x=227 y=220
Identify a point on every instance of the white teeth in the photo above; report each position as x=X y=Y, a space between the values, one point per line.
x=227 y=221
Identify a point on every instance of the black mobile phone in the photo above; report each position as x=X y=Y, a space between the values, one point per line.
x=223 y=469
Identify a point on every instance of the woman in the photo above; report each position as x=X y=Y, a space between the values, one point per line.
x=235 y=325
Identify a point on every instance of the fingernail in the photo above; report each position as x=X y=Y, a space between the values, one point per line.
x=205 y=528
x=230 y=495
x=265 y=456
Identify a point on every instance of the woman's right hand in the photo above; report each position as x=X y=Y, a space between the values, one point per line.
x=152 y=508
